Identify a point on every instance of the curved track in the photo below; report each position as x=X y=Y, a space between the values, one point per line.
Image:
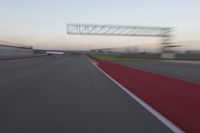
x=59 y=94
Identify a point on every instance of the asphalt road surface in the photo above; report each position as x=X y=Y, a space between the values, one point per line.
x=186 y=70
x=67 y=94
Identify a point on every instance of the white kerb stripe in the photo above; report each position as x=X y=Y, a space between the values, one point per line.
x=163 y=119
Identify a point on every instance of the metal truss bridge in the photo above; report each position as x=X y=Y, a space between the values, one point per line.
x=117 y=30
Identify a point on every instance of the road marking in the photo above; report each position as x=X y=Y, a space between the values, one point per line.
x=163 y=119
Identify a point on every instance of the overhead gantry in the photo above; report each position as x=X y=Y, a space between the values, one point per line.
x=117 y=30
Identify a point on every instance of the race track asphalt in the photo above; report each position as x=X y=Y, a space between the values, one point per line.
x=67 y=94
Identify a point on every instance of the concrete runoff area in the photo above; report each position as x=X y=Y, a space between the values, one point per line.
x=62 y=94
x=185 y=70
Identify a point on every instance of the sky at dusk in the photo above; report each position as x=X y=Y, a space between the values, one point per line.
x=42 y=23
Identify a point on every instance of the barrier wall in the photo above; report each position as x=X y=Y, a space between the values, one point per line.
x=6 y=51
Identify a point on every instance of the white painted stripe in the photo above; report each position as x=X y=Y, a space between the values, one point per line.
x=163 y=119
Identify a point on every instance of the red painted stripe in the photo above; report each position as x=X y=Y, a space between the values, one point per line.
x=176 y=99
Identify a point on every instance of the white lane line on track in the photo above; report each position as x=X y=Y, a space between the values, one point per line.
x=159 y=116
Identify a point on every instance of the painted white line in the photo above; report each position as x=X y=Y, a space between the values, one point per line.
x=163 y=119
